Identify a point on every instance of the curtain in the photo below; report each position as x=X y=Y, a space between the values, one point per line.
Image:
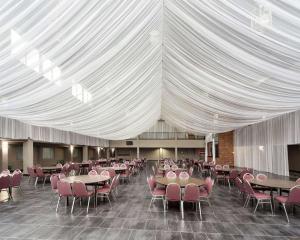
x=263 y=146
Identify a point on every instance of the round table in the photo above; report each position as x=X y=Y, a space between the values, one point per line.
x=87 y=179
x=274 y=183
x=178 y=169
x=117 y=169
x=165 y=181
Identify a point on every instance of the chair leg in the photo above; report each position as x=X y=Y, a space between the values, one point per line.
x=287 y=217
x=164 y=203
x=73 y=204
x=256 y=206
x=108 y=200
x=247 y=201
x=88 y=205
x=182 y=209
x=271 y=205
x=36 y=180
x=150 y=203
x=200 y=211
x=45 y=178
x=57 y=203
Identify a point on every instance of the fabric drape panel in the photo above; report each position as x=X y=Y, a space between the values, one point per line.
x=263 y=146
x=14 y=129
x=202 y=66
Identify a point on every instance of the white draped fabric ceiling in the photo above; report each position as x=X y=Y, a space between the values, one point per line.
x=111 y=69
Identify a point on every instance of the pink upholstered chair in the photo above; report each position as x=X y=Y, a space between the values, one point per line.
x=239 y=184
x=5 y=184
x=242 y=173
x=206 y=190
x=226 y=166
x=167 y=167
x=218 y=167
x=232 y=176
x=16 y=179
x=115 y=165
x=32 y=174
x=174 y=167
x=261 y=177
x=64 y=190
x=93 y=173
x=248 y=177
x=298 y=181
x=61 y=176
x=171 y=175
x=184 y=176
x=106 y=190
x=80 y=191
x=292 y=198
x=105 y=173
x=41 y=174
x=173 y=194
x=156 y=193
x=260 y=197
x=59 y=165
x=53 y=180
x=191 y=194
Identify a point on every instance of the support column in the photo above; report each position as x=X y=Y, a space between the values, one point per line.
x=27 y=155
x=176 y=154
x=214 y=149
x=107 y=153
x=206 y=153
x=85 y=153
x=138 y=152
x=4 y=147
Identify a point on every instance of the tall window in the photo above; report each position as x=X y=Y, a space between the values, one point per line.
x=19 y=152
x=47 y=153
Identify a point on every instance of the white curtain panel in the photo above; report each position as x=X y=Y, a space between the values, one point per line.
x=14 y=129
x=263 y=146
x=203 y=66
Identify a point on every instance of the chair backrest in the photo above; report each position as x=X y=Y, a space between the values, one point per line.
x=105 y=173
x=53 y=180
x=191 y=193
x=123 y=165
x=184 y=176
x=238 y=182
x=112 y=172
x=59 y=165
x=261 y=177
x=171 y=175
x=151 y=183
x=79 y=189
x=39 y=172
x=5 y=172
x=209 y=183
x=234 y=174
x=92 y=173
x=294 y=195
x=191 y=170
x=218 y=167
x=226 y=166
x=116 y=165
x=167 y=167
x=61 y=176
x=173 y=192
x=4 y=181
x=17 y=171
x=31 y=172
x=298 y=181
x=64 y=188
x=247 y=187
x=248 y=177
x=115 y=181
x=16 y=179
x=242 y=173
x=174 y=167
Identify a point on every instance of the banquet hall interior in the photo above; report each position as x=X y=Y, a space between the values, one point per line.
x=150 y=119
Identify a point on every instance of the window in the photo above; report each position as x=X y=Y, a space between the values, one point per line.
x=47 y=153
x=19 y=152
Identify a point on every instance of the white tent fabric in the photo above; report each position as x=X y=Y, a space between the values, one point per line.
x=200 y=65
x=263 y=146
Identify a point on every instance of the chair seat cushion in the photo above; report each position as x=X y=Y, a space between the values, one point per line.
x=103 y=190
x=281 y=199
x=159 y=192
x=259 y=195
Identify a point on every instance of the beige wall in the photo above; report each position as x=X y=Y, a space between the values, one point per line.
x=159 y=143
x=13 y=162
